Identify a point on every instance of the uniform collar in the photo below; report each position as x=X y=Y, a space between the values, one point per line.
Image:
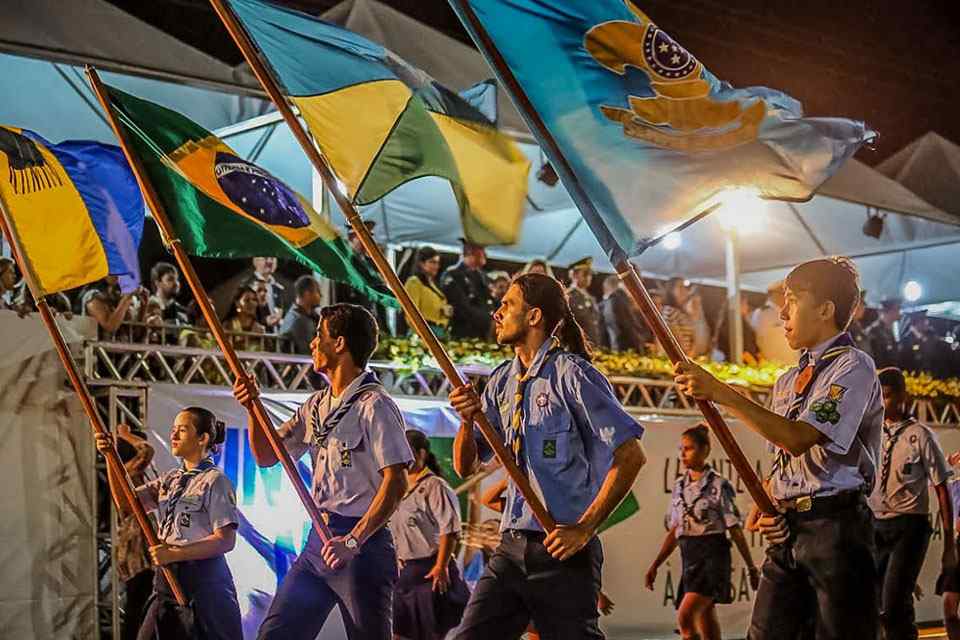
x=818 y=350
x=538 y=360
x=704 y=478
x=415 y=481
x=354 y=385
x=897 y=427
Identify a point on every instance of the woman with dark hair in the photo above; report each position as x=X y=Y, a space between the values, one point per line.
x=197 y=511
x=430 y=595
x=242 y=318
x=683 y=312
x=104 y=302
x=702 y=510
x=423 y=290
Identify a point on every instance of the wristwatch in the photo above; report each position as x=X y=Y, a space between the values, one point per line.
x=350 y=542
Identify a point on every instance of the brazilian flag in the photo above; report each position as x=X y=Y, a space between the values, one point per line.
x=381 y=122
x=222 y=206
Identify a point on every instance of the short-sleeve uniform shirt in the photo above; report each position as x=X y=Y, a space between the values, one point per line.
x=844 y=404
x=570 y=423
x=368 y=438
x=428 y=511
x=208 y=503
x=910 y=460
x=705 y=507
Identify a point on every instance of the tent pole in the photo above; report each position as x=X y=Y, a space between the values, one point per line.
x=626 y=272
x=414 y=317
x=734 y=317
x=257 y=412
x=114 y=464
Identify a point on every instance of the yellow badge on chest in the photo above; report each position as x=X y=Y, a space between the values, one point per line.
x=345 y=459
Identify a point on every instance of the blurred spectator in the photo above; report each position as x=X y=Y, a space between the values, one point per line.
x=538 y=266
x=768 y=328
x=683 y=312
x=275 y=296
x=163 y=302
x=242 y=318
x=468 y=292
x=266 y=316
x=299 y=326
x=583 y=304
x=620 y=322
x=197 y=334
x=364 y=264
x=426 y=295
x=857 y=331
x=499 y=283
x=103 y=302
x=884 y=346
x=920 y=349
x=751 y=352
x=8 y=281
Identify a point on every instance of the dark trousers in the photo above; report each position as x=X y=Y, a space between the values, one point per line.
x=363 y=590
x=824 y=579
x=524 y=583
x=138 y=590
x=901 y=547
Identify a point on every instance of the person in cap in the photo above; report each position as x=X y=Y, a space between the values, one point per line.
x=355 y=436
x=430 y=595
x=920 y=349
x=824 y=427
x=910 y=460
x=566 y=430
x=345 y=294
x=197 y=513
x=467 y=289
x=703 y=510
x=584 y=306
x=884 y=346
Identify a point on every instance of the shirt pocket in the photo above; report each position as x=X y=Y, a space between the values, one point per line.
x=550 y=440
x=343 y=445
x=911 y=468
x=190 y=514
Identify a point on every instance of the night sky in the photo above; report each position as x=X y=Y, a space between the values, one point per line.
x=892 y=64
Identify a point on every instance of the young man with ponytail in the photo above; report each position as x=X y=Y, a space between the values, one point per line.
x=824 y=430
x=565 y=427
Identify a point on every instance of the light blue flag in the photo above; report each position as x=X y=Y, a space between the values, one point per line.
x=652 y=137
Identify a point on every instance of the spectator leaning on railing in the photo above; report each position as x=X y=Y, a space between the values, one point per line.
x=164 y=308
x=299 y=326
x=103 y=302
x=242 y=318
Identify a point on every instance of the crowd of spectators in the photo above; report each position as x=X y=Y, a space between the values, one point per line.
x=262 y=311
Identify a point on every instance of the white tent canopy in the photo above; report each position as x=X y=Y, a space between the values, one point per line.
x=930 y=167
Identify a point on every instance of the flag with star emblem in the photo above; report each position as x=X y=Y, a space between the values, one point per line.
x=641 y=129
x=225 y=207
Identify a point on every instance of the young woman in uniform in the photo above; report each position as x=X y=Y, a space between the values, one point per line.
x=702 y=511
x=197 y=516
x=430 y=594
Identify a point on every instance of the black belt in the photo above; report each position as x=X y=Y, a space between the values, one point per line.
x=807 y=507
x=516 y=534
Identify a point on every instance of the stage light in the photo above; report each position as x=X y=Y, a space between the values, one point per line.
x=912 y=291
x=672 y=241
x=548 y=175
x=741 y=208
x=873 y=227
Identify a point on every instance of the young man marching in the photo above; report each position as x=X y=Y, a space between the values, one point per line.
x=825 y=431
x=355 y=435
x=566 y=429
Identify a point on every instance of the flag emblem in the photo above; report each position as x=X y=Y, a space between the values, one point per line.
x=664 y=56
x=29 y=171
x=258 y=193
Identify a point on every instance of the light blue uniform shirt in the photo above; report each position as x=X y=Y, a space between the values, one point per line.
x=705 y=507
x=573 y=424
x=844 y=405
x=369 y=438
x=208 y=503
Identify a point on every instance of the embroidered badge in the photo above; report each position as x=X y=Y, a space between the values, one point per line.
x=826 y=411
x=543 y=399
x=550 y=449
x=913 y=438
x=607 y=434
x=345 y=460
x=184 y=520
x=836 y=392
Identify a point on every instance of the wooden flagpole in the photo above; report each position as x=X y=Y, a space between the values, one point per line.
x=625 y=271
x=114 y=464
x=414 y=317
x=260 y=416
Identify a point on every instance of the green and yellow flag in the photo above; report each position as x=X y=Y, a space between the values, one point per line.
x=225 y=207
x=381 y=122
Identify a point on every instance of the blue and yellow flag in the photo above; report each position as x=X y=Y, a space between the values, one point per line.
x=381 y=122
x=75 y=208
x=651 y=136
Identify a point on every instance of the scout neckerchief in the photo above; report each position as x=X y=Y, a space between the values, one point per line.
x=517 y=431
x=704 y=481
x=322 y=429
x=802 y=385
x=414 y=481
x=892 y=434
x=177 y=490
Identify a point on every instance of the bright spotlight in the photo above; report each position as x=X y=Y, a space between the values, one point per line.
x=742 y=209
x=912 y=291
x=672 y=241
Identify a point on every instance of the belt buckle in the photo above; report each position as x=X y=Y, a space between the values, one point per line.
x=803 y=504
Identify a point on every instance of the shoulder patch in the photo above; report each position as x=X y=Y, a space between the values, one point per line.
x=836 y=392
x=826 y=411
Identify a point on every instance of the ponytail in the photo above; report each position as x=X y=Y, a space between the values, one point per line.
x=418 y=440
x=548 y=295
